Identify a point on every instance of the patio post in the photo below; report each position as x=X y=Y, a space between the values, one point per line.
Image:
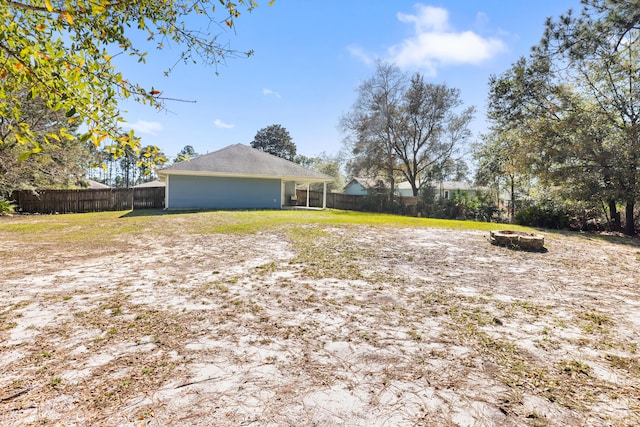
x=324 y=195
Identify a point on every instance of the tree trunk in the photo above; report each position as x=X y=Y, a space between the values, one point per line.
x=630 y=226
x=513 y=199
x=392 y=190
x=615 y=215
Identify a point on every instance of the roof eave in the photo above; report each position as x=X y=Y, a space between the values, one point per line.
x=162 y=173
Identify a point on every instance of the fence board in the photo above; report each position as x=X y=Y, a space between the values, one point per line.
x=117 y=199
x=347 y=201
x=89 y=200
x=334 y=200
x=149 y=198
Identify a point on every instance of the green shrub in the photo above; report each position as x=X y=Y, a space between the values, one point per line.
x=546 y=214
x=460 y=205
x=7 y=207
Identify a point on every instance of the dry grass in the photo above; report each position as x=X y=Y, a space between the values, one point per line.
x=269 y=318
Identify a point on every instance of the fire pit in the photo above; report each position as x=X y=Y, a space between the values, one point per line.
x=517 y=240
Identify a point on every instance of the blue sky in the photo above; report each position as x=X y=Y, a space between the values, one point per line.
x=310 y=57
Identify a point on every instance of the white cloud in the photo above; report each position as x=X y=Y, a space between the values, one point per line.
x=429 y=18
x=436 y=43
x=143 y=126
x=361 y=54
x=220 y=124
x=269 y=92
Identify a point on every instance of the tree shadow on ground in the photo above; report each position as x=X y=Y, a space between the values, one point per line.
x=609 y=237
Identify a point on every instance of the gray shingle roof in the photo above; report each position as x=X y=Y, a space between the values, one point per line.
x=241 y=160
x=95 y=185
x=369 y=183
x=150 y=184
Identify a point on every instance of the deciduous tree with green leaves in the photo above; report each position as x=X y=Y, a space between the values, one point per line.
x=62 y=51
x=405 y=126
x=576 y=98
x=59 y=163
x=276 y=140
x=186 y=154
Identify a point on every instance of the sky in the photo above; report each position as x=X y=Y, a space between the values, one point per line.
x=310 y=57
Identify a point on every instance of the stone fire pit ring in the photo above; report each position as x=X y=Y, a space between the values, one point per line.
x=517 y=240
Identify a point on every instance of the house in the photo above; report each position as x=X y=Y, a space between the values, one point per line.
x=95 y=185
x=151 y=184
x=359 y=186
x=447 y=189
x=236 y=177
x=444 y=189
x=404 y=189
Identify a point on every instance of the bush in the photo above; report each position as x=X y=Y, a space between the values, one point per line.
x=460 y=206
x=379 y=200
x=546 y=215
x=7 y=207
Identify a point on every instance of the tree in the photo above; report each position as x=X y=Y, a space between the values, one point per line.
x=576 y=99
x=367 y=126
x=429 y=129
x=498 y=165
x=62 y=51
x=328 y=165
x=185 y=154
x=405 y=126
x=455 y=169
x=60 y=162
x=275 y=140
x=128 y=170
x=145 y=172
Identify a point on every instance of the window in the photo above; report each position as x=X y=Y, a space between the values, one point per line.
x=446 y=194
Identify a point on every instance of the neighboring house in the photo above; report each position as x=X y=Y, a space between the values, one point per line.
x=236 y=177
x=361 y=186
x=444 y=189
x=150 y=184
x=448 y=189
x=95 y=185
x=403 y=189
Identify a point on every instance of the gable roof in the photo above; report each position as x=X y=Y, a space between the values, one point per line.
x=239 y=160
x=367 y=183
x=150 y=184
x=95 y=185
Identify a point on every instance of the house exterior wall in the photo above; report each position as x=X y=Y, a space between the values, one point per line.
x=446 y=193
x=405 y=192
x=206 y=192
x=355 y=189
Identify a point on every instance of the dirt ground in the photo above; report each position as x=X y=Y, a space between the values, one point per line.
x=321 y=326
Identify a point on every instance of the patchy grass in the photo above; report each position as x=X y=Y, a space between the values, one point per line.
x=105 y=224
x=311 y=317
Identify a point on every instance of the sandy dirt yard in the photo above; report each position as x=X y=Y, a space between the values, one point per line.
x=316 y=325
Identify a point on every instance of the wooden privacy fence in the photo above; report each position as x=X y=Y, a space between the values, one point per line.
x=347 y=201
x=87 y=200
x=334 y=200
